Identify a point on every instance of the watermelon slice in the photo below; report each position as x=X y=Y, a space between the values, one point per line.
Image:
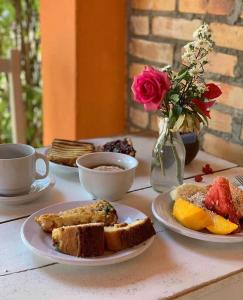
x=219 y=200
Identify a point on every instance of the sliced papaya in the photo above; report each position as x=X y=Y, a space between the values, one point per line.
x=221 y=225
x=191 y=215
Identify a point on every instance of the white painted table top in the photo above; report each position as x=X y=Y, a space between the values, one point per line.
x=172 y=266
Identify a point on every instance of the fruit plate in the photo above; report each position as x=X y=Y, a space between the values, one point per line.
x=41 y=243
x=162 y=210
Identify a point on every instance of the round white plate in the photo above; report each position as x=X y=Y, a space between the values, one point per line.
x=162 y=210
x=63 y=169
x=38 y=188
x=41 y=243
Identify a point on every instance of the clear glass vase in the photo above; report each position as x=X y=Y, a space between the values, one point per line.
x=168 y=160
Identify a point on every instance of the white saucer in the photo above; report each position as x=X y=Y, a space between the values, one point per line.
x=38 y=188
x=41 y=243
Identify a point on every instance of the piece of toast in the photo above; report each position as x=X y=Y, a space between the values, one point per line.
x=86 y=240
x=122 y=236
x=66 y=152
x=100 y=211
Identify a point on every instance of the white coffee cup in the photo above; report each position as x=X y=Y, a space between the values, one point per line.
x=18 y=168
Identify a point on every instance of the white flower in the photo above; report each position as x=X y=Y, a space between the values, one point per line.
x=195 y=53
x=201 y=86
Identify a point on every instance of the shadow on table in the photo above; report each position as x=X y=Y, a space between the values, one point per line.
x=153 y=261
x=219 y=251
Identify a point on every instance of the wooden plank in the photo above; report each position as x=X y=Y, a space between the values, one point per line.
x=227 y=288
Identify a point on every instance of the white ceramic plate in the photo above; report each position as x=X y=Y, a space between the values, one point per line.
x=41 y=244
x=38 y=188
x=63 y=169
x=162 y=210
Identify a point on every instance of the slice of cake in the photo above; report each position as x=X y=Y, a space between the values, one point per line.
x=122 y=236
x=86 y=240
x=100 y=211
x=66 y=152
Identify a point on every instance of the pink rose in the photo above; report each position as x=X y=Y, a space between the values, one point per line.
x=150 y=87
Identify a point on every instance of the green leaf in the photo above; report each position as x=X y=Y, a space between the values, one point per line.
x=179 y=122
x=182 y=74
x=174 y=98
x=177 y=110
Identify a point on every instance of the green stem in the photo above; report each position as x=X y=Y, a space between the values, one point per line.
x=178 y=163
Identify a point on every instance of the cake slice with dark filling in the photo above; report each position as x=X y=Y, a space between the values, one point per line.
x=86 y=240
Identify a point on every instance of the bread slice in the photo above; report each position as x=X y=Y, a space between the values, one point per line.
x=85 y=240
x=122 y=236
x=100 y=211
x=66 y=152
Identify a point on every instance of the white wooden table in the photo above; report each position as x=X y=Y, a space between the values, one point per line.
x=173 y=267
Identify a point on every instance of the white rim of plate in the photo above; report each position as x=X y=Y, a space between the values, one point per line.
x=114 y=258
x=63 y=167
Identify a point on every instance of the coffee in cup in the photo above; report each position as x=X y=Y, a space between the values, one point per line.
x=18 y=168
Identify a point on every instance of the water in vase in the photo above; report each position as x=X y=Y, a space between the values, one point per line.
x=167 y=166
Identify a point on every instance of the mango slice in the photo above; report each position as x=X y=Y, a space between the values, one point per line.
x=221 y=225
x=191 y=215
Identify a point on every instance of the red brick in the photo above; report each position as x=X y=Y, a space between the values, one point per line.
x=133 y=129
x=241 y=133
x=154 y=123
x=198 y=6
x=220 y=121
x=231 y=95
x=139 y=117
x=215 y=7
x=158 y=52
x=220 y=7
x=140 y=25
x=229 y=36
x=221 y=148
x=163 y=5
x=221 y=63
x=135 y=69
x=174 y=28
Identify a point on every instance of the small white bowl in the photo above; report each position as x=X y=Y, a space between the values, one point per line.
x=109 y=185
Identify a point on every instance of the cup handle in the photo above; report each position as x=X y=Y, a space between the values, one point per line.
x=41 y=156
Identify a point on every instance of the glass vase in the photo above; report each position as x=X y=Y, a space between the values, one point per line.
x=168 y=160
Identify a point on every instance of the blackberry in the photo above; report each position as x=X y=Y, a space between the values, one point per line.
x=120 y=146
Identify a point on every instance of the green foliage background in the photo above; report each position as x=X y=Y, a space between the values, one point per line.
x=19 y=29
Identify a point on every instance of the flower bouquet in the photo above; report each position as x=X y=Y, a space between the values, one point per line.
x=183 y=100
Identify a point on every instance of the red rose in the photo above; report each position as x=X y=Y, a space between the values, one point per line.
x=150 y=87
x=212 y=92
x=203 y=106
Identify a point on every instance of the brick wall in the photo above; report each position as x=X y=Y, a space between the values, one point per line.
x=158 y=29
